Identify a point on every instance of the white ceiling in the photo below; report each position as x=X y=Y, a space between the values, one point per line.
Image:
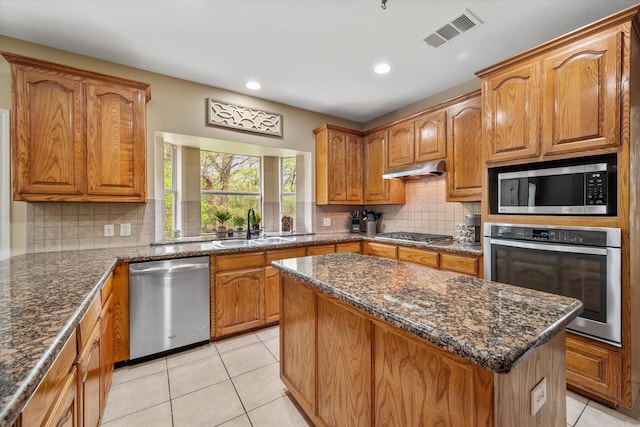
x=317 y=55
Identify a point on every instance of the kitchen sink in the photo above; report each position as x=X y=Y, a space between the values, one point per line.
x=270 y=240
x=235 y=243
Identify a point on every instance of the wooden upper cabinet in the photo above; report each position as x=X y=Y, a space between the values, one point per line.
x=77 y=135
x=401 y=144
x=48 y=133
x=512 y=113
x=339 y=166
x=581 y=103
x=379 y=191
x=430 y=137
x=464 y=159
x=116 y=140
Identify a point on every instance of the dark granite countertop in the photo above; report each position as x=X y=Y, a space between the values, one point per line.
x=491 y=324
x=43 y=297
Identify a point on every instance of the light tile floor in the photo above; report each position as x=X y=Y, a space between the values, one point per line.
x=235 y=383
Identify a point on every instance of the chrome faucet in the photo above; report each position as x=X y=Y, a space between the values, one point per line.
x=250 y=223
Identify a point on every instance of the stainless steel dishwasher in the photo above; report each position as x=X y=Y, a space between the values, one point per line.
x=168 y=304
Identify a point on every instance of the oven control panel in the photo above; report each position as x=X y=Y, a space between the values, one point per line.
x=550 y=235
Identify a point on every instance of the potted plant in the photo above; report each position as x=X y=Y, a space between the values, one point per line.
x=222 y=217
x=239 y=222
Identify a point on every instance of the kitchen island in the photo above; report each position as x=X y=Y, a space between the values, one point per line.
x=368 y=341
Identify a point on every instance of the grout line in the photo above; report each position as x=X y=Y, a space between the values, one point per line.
x=581 y=412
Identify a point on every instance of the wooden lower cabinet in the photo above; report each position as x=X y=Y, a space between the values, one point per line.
x=419 y=256
x=321 y=249
x=344 y=377
x=346 y=368
x=594 y=368
x=65 y=411
x=466 y=264
x=297 y=342
x=89 y=390
x=107 y=350
x=120 y=277
x=271 y=298
x=355 y=247
x=239 y=298
x=380 y=249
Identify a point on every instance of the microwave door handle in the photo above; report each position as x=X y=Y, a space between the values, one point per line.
x=550 y=247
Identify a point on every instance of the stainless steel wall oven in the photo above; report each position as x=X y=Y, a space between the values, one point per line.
x=579 y=262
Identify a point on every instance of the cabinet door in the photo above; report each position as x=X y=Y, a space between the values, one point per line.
x=378 y=191
x=65 y=411
x=464 y=160
x=89 y=371
x=380 y=249
x=401 y=144
x=512 y=113
x=239 y=300
x=430 y=137
x=271 y=294
x=344 y=365
x=298 y=341
x=116 y=142
x=337 y=166
x=107 y=350
x=354 y=152
x=48 y=157
x=582 y=83
x=320 y=249
x=121 y=312
x=466 y=264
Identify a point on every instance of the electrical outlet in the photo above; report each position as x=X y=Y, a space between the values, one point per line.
x=125 y=229
x=326 y=222
x=538 y=396
x=108 y=230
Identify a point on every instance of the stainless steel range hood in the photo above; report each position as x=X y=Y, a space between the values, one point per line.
x=420 y=170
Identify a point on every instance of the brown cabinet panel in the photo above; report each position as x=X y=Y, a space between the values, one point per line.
x=65 y=411
x=419 y=256
x=379 y=191
x=430 y=137
x=88 y=322
x=464 y=159
x=239 y=299
x=344 y=365
x=582 y=83
x=593 y=367
x=349 y=247
x=380 y=249
x=242 y=260
x=298 y=342
x=321 y=249
x=271 y=294
x=120 y=277
x=48 y=134
x=416 y=385
x=466 y=264
x=512 y=112
x=339 y=166
x=401 y=144
x=284 y=254
x=89 y=370
x=116 y=141
x=107 y=349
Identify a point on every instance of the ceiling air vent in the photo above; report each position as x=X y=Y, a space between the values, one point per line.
x=458 y=25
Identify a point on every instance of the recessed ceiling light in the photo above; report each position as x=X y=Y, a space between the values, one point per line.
x=382 y=68
x=253 y=85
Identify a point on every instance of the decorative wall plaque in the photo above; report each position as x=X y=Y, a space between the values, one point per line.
x=243 y=118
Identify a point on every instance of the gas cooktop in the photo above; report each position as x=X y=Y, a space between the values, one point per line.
x=414 y=237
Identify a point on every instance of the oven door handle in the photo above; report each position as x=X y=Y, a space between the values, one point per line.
x=550 y=247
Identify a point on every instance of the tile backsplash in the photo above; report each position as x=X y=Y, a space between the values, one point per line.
x=55 y=226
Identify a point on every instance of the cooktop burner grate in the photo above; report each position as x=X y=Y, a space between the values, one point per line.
x=415 y=237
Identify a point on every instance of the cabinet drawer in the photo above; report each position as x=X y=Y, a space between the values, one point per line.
x=381 y=250
x=321 y=249
x=593 y=368
x=50 y=387
x=284 y=254
x=89 y=321
x=243 y=260
x=460 y=264
x=419 y=256
x=349 y=247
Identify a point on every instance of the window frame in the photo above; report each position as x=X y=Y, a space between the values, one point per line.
x=174 y=187
x=287 y=193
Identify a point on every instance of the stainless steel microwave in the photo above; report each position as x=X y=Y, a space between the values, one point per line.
x=579 y=189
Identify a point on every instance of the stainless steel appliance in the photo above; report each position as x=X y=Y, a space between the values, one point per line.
x=579 y=262
x=169 y=305
x=414 y=237
x=570 y=187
